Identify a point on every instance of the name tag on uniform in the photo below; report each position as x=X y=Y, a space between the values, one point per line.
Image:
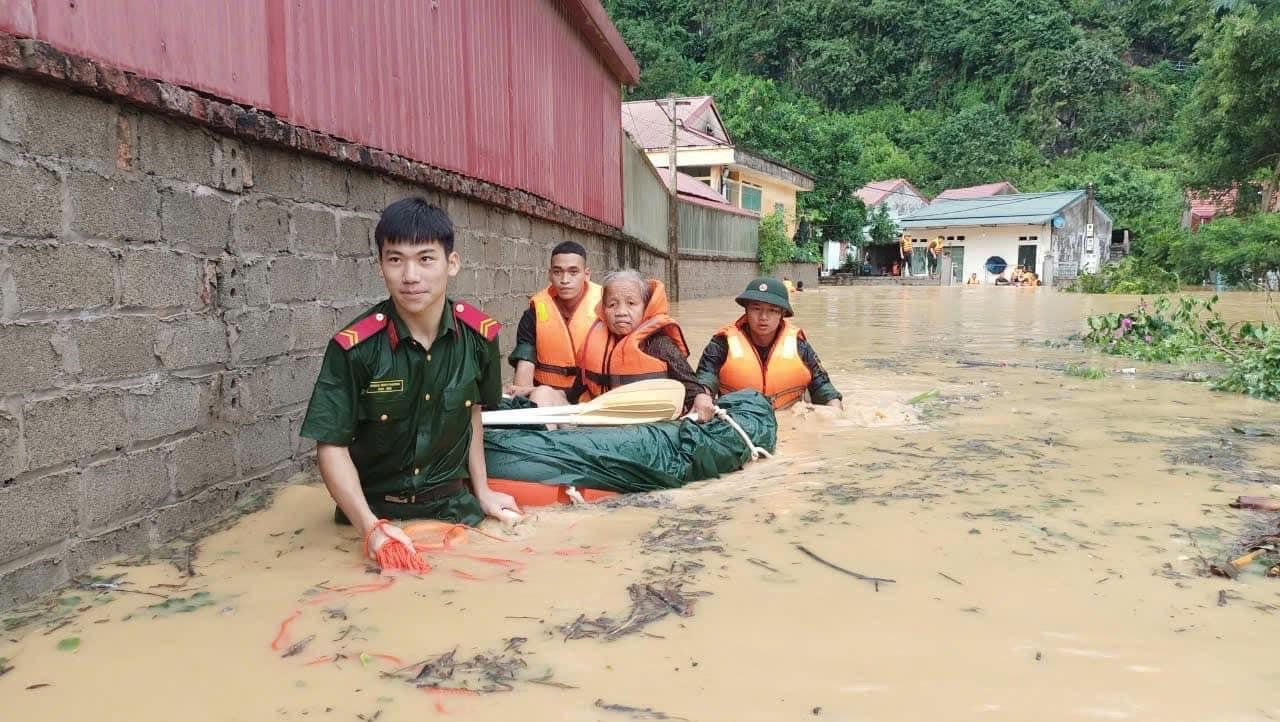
x=386 y=386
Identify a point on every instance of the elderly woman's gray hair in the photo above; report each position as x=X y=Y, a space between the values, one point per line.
x=628 y=275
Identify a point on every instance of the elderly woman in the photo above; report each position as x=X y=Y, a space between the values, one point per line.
x=632 y=339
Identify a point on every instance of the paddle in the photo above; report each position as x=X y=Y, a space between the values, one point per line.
x=641 y=402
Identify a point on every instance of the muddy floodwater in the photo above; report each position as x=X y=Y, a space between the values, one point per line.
x=1045 y=536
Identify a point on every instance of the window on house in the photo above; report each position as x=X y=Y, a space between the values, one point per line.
x=780 y=209
x=751 y=198
x=732 y=192
x=959 y=238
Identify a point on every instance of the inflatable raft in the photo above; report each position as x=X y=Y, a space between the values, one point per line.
x=540 y=468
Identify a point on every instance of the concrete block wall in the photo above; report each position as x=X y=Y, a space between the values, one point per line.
x=704 y=277
x=166 y=294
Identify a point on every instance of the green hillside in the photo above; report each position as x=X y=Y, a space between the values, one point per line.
x=1140 y=98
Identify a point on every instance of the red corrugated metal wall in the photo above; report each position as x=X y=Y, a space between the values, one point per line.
x=504 y=90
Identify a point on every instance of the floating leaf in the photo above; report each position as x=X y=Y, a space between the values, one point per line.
x=365 y=659
x=70 y=644
x=923 y=397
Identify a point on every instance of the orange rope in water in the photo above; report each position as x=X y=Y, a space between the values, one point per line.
x=394 y=556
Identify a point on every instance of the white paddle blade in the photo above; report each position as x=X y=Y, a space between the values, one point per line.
x=638 y=403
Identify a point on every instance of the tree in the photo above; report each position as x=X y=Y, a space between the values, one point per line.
x=1233 y=121
x=977 y=145
x=881 y=228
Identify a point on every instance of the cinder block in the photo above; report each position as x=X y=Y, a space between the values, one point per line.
x=62 y=277
x=36 y=513
x=323 y=181
x=261 y=227
x=50 y=121
x=301 y=445
x=517 y=226
x=64 y=429
x=291 y=382
x=201 y=220
x=175 y=150
x=275 y=172
x=372 y=286
x=126 y=540
x=117 y=346
x=31 y=362
x=123 y=487
x=187 y=517
x=315 y=230
x=311 y=326
x=368 y=191
x=37 y=210
x=168 y=408
x=234 y=166
x=30 y=581
x=459 y=210
x=192 y=341
x=264 y=443
x=114 y=208
x=243 y=283
x=257 y=334
x=344 y=283
x=12 y=455
x=355 y=236
x=202 y=460
x=294 y=279
x=161 y=278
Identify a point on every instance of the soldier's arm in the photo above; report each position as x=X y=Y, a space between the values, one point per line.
x=713 y=358
x=522 y=355
x=495 y=504
x=821 y=391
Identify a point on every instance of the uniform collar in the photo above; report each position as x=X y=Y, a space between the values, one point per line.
x=397 y=331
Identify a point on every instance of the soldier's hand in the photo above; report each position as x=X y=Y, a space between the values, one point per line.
x=385 y=534
x=513 y=390
x=498 y=505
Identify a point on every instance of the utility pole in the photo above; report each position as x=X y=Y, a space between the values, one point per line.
x=673 y=210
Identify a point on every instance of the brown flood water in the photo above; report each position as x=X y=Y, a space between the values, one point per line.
x=1044 y=531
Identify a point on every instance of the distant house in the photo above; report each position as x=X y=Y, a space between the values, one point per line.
x=706 y=151
x=987 y=190
x=1200 y=208
x=1057 y=234
x=896 y=195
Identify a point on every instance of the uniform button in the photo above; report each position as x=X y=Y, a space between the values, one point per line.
x=468 y=403
x=427 y=397
x=416 y=471
x=379 y=316
x=382 y=418
x=459 y=308
x=428 y=358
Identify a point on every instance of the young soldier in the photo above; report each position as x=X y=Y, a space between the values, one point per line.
x=396 y=408
x=764 y=351
x=554 y=327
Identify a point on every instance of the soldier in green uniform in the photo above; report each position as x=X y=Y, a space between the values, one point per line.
x=396 y=408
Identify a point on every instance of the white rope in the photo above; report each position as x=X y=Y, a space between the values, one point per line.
x=575 y=496
x=756 y=451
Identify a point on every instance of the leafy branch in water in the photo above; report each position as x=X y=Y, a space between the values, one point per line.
x=1192 y=330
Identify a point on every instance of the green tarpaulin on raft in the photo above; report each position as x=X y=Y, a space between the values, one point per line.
x=636 y=458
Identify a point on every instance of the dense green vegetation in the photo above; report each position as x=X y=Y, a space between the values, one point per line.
x=1192 y=330
x=1139 y=97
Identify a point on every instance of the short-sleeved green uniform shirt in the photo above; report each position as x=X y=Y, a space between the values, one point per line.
x=404 y=411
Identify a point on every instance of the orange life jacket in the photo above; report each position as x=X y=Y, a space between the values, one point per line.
x=783 y=379
x=557 y=342
x=607 y=362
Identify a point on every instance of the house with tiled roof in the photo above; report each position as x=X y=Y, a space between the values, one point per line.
x=1200 y=207
x=705 y=151
x=896 y=195
x=985 y=190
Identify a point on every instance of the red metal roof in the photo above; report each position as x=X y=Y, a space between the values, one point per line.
x=649 y=123
x=523 y=94
x=982 y=191
x=1208 y=204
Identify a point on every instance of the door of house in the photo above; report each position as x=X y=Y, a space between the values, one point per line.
x=957 y=263
x=919 y=266
x=1027 y=257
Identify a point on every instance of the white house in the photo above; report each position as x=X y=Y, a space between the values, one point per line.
x=1055 y=234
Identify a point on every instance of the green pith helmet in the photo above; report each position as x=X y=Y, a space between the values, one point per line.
x=767 y=290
